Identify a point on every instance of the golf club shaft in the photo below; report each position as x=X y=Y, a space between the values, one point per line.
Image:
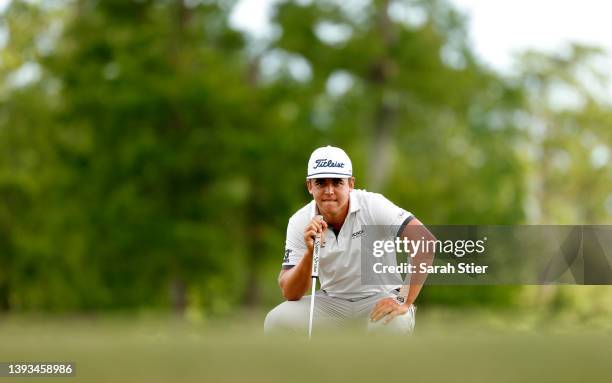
x=312 y=298
x=315 y=274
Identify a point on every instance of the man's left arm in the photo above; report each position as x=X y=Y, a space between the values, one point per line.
x=389 y=308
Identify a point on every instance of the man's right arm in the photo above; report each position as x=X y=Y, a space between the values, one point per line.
x=294 y=282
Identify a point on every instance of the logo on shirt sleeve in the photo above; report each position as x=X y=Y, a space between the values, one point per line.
x=286 y=257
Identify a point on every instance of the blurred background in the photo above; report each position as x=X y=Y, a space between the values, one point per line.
x=152 y=151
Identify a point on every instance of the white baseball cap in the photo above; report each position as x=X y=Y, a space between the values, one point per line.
x=329 y=162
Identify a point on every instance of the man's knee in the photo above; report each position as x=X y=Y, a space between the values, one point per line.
x=405 y=323
x=273 y=320
x=287 y=317
x=401 y=324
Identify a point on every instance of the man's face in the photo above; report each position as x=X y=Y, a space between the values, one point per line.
x=331 y=194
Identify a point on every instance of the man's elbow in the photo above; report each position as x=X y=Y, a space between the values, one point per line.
x=288 y=294
x=291 y=296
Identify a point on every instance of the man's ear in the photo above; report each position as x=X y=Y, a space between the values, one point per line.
x=351 y=183
x=309 y=186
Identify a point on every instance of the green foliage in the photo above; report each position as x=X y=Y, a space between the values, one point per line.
x=152 y=158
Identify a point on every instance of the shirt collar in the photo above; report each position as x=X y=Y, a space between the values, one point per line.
x=353 y=202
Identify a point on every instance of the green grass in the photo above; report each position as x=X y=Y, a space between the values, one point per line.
x=463 y=346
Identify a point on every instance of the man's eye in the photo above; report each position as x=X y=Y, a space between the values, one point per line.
x=338 y=182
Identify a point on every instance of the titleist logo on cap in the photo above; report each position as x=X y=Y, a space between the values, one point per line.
x=329 y=162
x=325 y=163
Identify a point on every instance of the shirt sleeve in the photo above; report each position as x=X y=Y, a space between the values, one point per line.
x=295 y=248
x=385 y=212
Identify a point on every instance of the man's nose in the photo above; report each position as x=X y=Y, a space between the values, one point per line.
x=329 y=189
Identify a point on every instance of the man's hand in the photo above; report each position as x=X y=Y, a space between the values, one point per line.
x=316 y=225
x=388 y=308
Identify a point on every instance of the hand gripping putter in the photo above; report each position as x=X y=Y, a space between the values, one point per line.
x=314 y=275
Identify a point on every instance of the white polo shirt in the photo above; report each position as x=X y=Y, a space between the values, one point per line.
x=340 y=258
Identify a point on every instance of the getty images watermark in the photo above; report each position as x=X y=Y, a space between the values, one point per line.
x=487 y=255
x=428 y=247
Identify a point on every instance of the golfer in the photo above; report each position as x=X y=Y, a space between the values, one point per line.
x=343 y=299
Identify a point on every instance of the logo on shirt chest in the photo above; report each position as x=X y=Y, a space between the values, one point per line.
x=357 y=234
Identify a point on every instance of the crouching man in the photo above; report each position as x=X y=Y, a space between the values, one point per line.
x=338 y=212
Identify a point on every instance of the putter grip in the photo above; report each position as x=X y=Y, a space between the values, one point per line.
x=316 y=251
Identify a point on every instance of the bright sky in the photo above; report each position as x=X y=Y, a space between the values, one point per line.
x=499 y=28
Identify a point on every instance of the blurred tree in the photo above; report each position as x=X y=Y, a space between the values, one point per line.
x=398 y=79
x=27 y=103
x=567 y=146
x=153 y=97
x=568 y=136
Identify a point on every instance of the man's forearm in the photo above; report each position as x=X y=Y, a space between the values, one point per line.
x=415 y=230
x=295 y=281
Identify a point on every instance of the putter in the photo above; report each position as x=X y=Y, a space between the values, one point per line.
x=314 y=275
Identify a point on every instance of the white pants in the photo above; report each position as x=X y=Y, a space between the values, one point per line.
x=334 y=313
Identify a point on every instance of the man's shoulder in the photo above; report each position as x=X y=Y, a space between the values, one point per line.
x=376 y=209
x=366 y=198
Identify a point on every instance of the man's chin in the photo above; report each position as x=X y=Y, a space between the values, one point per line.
x=329 y=205
x=328 y=210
